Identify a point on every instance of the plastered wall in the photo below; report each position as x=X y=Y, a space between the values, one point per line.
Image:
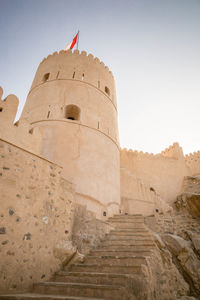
x=36 y=214
x=163 y=172
x=86 y=146
x=193 y=162
x=20 y=133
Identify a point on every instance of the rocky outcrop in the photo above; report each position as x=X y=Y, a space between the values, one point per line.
x=189 y=199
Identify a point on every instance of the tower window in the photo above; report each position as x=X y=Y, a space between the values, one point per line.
x=72 y=112
x=73 y=75
x=48 y=114
x=46 y=77
x=1 y=109
x=83 y=76
x=107 y=90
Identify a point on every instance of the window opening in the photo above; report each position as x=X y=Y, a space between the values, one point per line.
x=46 y=77
x=72 y=112
x=48 y=114
x=83 y=76
x=107 y=90
x=1 y=109
x=57 y=75
x=73 y=75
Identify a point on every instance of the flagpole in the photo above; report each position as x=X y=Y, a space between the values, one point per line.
x=77 y=40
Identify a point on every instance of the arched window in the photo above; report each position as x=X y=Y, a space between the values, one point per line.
x=72 y=112
x=46 y=77
x=107 y=90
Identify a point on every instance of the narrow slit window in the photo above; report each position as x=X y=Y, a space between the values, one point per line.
x=57 y=74
x=1 y=109
x=73 y=75
x=72 y=112
x=107 y=90
x=83 y=76
x=48 y=114
x=46 y=77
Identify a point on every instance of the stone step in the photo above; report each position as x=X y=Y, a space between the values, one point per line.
x=115 y=260
x=92 y=277
x=129 y=216
x=132 y=230
x=130 y=233
x=80 y=289
x=128 y=225
x=121 y=252
x=126 y=242
x=124 y=237
x=41 y=297
x=120 y=220
x=130 y=247
x=106 y=268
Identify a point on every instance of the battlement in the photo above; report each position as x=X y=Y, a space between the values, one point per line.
x=174 y=151
x=192 y=160
x=76 y=66
x=77 y=52
x=21 y=133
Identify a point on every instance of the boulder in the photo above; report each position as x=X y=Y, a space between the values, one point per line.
x=64 y=251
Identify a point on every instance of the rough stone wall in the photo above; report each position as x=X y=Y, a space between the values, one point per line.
x=87 y=231
x=159 y=171
x=36 y=216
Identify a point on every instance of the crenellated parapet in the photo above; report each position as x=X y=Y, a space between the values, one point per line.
x=78 y=66
x=20 y=134
x=193 y=162
x=173 y=151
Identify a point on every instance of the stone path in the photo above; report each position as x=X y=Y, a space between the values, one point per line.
x=107 y=271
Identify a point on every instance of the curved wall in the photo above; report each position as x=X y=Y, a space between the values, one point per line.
x=87 y=147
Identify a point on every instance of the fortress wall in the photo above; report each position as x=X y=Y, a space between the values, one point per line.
x=19 y=133
x=193 y=162
x=138 y=197
x=163 y=173
x=36 y=216
x=85 y=144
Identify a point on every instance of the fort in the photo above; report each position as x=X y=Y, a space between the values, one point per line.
x=68 y=191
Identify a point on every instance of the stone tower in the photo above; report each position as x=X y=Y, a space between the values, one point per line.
x=73 y=103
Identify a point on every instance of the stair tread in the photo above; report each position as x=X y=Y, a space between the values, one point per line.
x=36 y=295
x=82 y=285
x=64 y=273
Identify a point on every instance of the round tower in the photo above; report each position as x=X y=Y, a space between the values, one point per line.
x=73 y=102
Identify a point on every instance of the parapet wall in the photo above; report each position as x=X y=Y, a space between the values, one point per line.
x=76 y=66
x=36 y=217
x=193 y=162
x=163 y=172
x=20 y=133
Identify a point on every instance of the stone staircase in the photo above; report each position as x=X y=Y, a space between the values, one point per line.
x=107 y=272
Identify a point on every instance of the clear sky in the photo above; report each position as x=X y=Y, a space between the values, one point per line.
x=151 y=46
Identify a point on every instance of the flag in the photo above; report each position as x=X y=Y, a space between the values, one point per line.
x=71 y=45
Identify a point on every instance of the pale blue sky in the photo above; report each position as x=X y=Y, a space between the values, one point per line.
x=151 y=46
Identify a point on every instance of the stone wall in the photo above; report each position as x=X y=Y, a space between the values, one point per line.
x=36 y=216
x=159 y=171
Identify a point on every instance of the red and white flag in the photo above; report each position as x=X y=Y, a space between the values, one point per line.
x=72 y=44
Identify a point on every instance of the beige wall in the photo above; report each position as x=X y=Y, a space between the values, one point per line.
x=88 y=148
x=138 y=197
x=193 y=162
x=36 y=214
x=163 y=172
x=20 y=133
